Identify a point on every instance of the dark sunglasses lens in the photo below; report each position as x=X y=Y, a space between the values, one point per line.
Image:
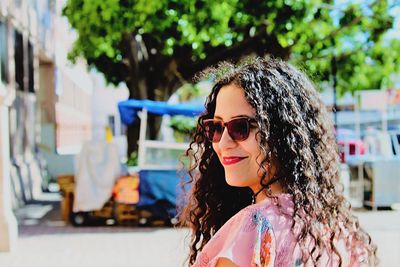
x=238 y=129
x=213 y=130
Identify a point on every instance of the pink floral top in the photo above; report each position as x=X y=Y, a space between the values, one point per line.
x=259 y=235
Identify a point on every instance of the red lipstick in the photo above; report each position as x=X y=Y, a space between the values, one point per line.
x=231 y=160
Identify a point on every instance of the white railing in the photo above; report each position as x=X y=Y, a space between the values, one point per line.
x=145 y=145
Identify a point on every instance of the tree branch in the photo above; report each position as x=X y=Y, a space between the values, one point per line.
x=261 y=43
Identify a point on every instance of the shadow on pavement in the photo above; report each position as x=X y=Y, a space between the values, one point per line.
x=43 y=217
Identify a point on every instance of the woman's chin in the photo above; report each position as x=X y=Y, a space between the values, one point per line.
x=235 y=181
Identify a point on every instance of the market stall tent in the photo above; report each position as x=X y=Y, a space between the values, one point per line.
x=159 y=182
x=130 y=110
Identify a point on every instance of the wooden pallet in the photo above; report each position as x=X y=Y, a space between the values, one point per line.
x=67 y=189
x=126 y=214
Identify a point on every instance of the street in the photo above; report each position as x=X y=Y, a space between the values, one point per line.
x=51 y=243
x=384 y=228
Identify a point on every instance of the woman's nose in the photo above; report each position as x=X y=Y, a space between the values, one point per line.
x=226 y=141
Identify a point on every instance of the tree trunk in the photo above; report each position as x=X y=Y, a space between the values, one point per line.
x=133 y=130
x=154 y=82
x=132 y=135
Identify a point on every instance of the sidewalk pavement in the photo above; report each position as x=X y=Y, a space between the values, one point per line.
x=51 y=243
x=46 y=241
x=384 y=228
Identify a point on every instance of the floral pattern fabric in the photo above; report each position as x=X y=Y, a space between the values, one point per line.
x=260 y=235
x=257 y=236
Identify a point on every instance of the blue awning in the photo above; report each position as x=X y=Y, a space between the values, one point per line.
x=128 y=109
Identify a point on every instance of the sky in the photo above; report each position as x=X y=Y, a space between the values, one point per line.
x=394 y=11
x=395 y=32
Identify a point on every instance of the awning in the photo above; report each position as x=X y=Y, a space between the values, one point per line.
x=128 y=109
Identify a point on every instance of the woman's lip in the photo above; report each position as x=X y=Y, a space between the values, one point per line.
x=231 y=160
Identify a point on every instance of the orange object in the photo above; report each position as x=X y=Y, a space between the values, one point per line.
x=126 y=190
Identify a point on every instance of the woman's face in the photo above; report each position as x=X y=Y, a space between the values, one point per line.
x=240 y=159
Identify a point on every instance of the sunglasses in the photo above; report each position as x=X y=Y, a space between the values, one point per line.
x=238 y=129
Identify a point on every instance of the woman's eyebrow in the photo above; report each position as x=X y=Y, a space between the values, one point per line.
x=234 y=117
x=241 y=116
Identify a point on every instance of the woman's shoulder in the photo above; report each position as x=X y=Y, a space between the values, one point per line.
x=245 y=238
x=271 y=220
x=255 y=231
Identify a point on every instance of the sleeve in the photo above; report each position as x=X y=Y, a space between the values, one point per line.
x=246 y=241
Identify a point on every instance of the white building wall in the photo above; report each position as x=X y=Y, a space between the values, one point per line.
x=105 y=104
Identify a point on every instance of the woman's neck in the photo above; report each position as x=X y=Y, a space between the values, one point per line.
x=260 y=194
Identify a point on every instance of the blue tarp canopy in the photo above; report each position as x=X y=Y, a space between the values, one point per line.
x=159 y=192
x=128 y=109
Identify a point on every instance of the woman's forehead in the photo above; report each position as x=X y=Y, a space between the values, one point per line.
x=231 y=102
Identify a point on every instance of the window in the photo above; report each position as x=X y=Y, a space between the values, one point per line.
x=4 y=74
x=31 y=77
x=19 y=60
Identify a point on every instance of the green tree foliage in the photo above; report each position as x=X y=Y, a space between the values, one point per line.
x=154 y=46
x=365 y=55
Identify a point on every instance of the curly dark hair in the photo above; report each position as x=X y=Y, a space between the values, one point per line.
x=295 y=127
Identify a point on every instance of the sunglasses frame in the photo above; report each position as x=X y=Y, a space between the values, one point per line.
x=250 y=124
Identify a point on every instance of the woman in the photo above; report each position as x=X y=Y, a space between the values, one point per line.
x=265 y=175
